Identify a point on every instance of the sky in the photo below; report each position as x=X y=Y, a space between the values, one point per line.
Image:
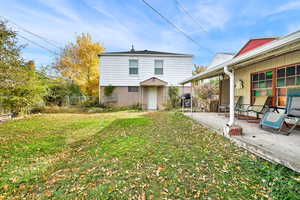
x=215 y=25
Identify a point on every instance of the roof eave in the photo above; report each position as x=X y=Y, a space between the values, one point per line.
x=160 y=55
x=279 y=43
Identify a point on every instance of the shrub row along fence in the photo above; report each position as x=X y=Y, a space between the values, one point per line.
x=66 y=101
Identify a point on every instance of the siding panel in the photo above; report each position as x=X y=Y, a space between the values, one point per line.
x=114 y=70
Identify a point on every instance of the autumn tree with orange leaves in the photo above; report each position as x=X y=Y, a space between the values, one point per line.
x=79 y=62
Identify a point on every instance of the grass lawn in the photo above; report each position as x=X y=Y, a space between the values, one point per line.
x=131 y=155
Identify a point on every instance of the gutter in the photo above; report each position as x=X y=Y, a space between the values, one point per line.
x=275 y=44
x=231 y=96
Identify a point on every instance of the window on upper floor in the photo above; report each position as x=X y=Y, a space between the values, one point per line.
x=133 y=67
x=158 y=67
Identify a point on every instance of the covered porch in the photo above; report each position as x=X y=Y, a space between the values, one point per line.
x=277 y=148
x=254 y=84
x=153 y=93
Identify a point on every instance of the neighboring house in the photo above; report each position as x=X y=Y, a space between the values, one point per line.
x=216 y=60
x=220 y=58
x=263 y=67
x=142 y=77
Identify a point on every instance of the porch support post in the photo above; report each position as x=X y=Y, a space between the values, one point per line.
x=191 y=97
x=142 y=97
x=231 y=96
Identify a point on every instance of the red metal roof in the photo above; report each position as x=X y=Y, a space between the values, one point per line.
x=253 y=44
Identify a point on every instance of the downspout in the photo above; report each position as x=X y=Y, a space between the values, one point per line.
x=231 y=95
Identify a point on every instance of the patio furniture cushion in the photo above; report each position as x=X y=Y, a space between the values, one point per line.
x=273 y=120
x=259 y=104
x=293 y=108
x=261 y=100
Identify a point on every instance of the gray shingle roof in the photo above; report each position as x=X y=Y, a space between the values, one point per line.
x=143 y=52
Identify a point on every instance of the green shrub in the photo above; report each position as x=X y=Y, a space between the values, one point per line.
x=108 y=90
x=173 y=93
x=20 y=86
x=91 y=103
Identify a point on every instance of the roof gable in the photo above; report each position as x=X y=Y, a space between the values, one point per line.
x=253 y=44
x=153 y=81
x=220 y=58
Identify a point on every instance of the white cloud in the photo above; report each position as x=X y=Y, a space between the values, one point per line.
x=117 y=30
x=213 y=16
x=63 y=7
x=292 y=5
x=209 y=14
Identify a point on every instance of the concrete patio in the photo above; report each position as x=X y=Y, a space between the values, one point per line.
x=271 y=146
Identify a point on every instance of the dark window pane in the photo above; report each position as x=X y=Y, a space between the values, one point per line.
x=263 y=93
x=255 y=85
x=269 y=75
x=269 y=84
x=133 y=63
x=281 y=82
x=158 y=64
x=133 y=89
x=262 y=84
x=256 y=93
x=269 y=92
x=255 y=77
x=133 y=70
x=290 y=81
x=158 y=71
x=281 y=73
x=298 y=69
x=281 y=101
x=281 y=91
x=298 y=80
x=290 y=71
x=262 y=76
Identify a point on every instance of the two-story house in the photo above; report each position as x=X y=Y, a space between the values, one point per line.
x=142 y=77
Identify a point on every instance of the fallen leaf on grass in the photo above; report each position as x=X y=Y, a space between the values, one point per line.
x=159 y=170
x=5 y=187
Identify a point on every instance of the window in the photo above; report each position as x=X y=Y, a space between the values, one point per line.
x=277 y=81
x=262 y=83
x=286 y=77
x=133 y=88
x=133 y=67
x=158 y=67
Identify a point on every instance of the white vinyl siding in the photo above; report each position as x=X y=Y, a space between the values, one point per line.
x=158 y=67
x=114 y=70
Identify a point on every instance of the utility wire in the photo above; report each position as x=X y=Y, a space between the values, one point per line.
x=53 y=43
x=179 y=5
x=37 y=44
x=176 y=27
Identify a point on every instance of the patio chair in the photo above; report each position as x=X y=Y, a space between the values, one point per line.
x=225 y=107
x=292 y=113
x=260 y=106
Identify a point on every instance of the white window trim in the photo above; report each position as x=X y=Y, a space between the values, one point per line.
x=159 y=67
x=133 y=67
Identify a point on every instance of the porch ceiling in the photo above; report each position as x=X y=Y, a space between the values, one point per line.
x=153 y=82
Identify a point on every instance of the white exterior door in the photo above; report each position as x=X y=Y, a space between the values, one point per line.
x=152 y=98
